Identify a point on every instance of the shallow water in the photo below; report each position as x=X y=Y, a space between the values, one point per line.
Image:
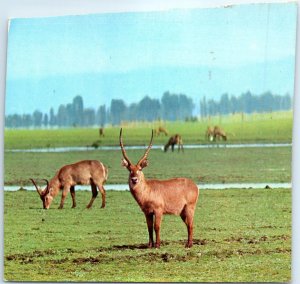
x=106 y=148
x=123 y=187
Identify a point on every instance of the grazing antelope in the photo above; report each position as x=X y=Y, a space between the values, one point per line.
x=176 y=196
x=83 y=172
x=159 y=130
x=176 y=139
x=209 y=134
x=214 y=133
x=101 y=131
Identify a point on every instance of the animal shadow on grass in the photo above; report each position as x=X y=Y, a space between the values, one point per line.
x=163 y=243
x=105 y=257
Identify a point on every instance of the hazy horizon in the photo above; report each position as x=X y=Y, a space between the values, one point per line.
x=196 y=52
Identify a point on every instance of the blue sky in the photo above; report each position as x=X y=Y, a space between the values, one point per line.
x=129 y=55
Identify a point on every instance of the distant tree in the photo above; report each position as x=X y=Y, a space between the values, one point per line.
x=170 y=106
x=52 y=119
x=246 y=102
x=77 y=111
x=37 y=118
x=27 y=120
x=266 y=101
x=286 y=102
x=89 y=117
x=186 y=107
x=212 y=107
x=132 y=113
x=203 y=107
x=45 y=120
x=101 y=116
x=148 y=109
x=13 y=121
x=117 y=111
x=71 y=117
x=234 y=104
x=61 y=116
x=224 y=104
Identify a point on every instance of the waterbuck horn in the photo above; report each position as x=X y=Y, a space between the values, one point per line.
x=37 y=189
x=47 y=188
x=147 y=151
x=123 y=150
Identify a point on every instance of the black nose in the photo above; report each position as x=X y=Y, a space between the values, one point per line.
x=134 y=180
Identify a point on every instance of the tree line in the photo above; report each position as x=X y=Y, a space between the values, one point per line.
x=245 y=103
x=170 y=107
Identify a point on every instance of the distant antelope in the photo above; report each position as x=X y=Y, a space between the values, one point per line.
x=176 y=196
x=176 y=139
x=159 y=130
x=101 y=131
x=83 y=172
x=215 y=133
x=209 y=134
x=219 y=133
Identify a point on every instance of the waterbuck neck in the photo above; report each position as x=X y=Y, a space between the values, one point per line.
x=54 y=186
x=140 y=191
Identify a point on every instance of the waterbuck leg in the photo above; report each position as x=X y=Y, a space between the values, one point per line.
x=94 y=195
x=65 y=191
x=102 y=190
x=158 y=218
x=72 y=191
x=149 y=218
x=187 y=215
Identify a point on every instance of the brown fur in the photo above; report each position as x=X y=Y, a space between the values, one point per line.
x=212 y=134
x=209 y=134
x=173 y=140
x=81 y=173
x=176 y=196
x=159 y=130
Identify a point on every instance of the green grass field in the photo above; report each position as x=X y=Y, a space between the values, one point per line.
x=274 y=127
x=213 y=165
x=241 y=235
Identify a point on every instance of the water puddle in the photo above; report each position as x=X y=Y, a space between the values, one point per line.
x=124 y=187
x=110 y=148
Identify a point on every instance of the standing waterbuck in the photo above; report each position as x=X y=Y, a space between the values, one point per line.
x=81 y=173
x=157 y=197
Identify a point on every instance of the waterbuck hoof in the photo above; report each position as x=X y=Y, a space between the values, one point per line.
x=150 y=245
x=189 y=245
x=157 y=246
x=103 y=206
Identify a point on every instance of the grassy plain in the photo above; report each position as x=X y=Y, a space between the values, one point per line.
x=241 y=128
x=240 y=236
x=213 y=165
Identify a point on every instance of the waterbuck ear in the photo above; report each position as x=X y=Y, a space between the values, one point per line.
x=144 y=163
x=124 y=163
